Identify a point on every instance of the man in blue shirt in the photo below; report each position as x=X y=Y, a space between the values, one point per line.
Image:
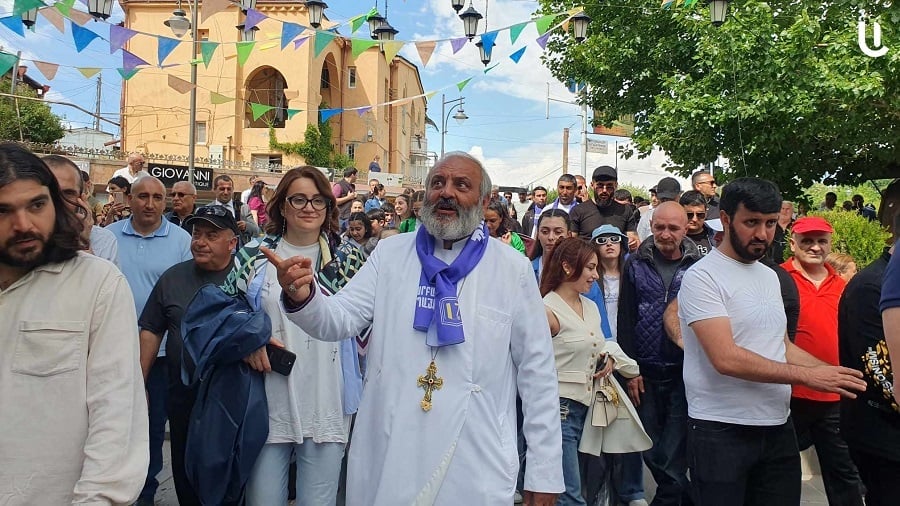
x=148 y=246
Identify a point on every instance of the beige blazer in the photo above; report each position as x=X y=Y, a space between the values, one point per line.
x=576 y=347
x=626 y=433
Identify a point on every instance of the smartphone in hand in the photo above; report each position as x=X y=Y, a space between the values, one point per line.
x=601 y=363
x=281 y=360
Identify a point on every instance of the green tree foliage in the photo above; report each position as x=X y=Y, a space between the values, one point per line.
x=780 y=89
x=316 y=148
x=38 y=123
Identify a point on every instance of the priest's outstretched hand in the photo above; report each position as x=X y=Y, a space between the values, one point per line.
x=295 y=275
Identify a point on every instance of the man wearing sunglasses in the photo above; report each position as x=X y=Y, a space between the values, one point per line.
x=705 y=183
x=695 y=205
x=604 y=209
x=184 y=197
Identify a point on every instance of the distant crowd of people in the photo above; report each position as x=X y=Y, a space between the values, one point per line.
x=491 y=351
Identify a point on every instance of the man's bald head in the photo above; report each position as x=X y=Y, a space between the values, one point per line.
x=669 y=226
x=147 y=183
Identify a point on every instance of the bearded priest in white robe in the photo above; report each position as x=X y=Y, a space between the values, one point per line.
x=458 y=328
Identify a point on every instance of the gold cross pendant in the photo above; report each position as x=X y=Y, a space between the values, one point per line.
x=430 y=382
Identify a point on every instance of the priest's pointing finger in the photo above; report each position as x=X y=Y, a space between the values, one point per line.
x=294 y=274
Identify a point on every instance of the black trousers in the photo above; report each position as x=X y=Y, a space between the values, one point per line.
x=880 y=476
x=181 y=402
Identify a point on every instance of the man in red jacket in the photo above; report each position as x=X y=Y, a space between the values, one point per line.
x=816 y=414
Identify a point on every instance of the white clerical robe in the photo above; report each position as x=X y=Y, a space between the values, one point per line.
x=462 y=451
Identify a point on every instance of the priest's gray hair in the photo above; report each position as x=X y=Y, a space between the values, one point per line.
x=484 y=190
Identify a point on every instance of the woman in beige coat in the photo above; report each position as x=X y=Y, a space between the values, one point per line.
x=583 y=359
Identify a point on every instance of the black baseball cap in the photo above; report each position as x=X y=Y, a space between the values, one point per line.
x=668 y=188
x=605 y=173
x=218 y=216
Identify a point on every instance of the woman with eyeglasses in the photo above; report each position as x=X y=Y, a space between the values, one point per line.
x=584 y=362
x=309 y=409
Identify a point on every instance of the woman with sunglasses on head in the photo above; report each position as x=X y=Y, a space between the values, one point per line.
x=611 y=246
x=309 y=409
x=553 y=226
x=498 y=223
x=584 y=362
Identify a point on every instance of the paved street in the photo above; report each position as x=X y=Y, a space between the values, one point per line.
x=813 y=490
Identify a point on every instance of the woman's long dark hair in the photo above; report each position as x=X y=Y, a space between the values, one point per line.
x=409 y=212
x=276 y=222
x=256 y=190
x=503 y=213
x=17 y=163
x=574 y=252
x=538 y=250
x=364 y=219
x=623 y=254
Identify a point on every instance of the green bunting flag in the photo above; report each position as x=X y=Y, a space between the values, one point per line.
x=243 y=51
x=218 y=99
x=515 y=31
x=322 y=41
x=7 y=61
x=126 y=74
x=259 y=109
x=292 y=112
x=20 y=6
x=462 y=84
x=206 y=50
x=360 y=46
x=65 y=7
x=543 y=23
x=357 y=22
x=492 y=67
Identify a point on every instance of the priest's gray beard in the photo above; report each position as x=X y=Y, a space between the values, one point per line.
x=450 y=228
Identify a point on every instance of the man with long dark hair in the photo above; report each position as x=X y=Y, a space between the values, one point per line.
x=74 y=424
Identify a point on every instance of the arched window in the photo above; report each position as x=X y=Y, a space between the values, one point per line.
x=266 y=86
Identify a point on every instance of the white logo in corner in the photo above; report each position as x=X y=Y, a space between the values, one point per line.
x=876 y=39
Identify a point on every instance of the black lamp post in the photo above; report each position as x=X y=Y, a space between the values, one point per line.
x=580 y=23
x=457 y=5
x=484 y=51
x=246 y=5
x=385 y=32
x=178 y=22
x=718 y=9
x=470 y=18
x=316 y=8
x=100 y=8
x=29 y=17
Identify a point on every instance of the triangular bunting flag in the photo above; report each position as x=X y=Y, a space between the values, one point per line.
x=518 y=55
x=210 y=7
x=130 y=60
x=430 y=94
x=689 y=3
x=293 y=112
x=462 y=84
x=515 y=31
x=299 y=42
x=82 y=37
x=218 y=99
x=55 y=18
x=357 y=22
x=164 y=48
x=492 y=67
x=79 y=17
x=48 y=69
x=458 y=44
x=360 y=46
x=667 y=3
x=7 y=61
x=425 y=49
x=391 y=48
x=118 y=36
x=328 y=113
x=267 y=46
x=206 y=51
x=487 y=41
x=322 y=41
x=127 y=74
x=543 y=23
x=20 y=6
x=88 y=72
x=254 y=17
x=288 y=32
x=64 y=6
x=243 y=51
x=259 y=109
x=14 y=23
x=542 y=40
x=179 y=85
x=362 y=110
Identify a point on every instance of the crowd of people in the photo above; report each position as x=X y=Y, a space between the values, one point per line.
x=493 y=350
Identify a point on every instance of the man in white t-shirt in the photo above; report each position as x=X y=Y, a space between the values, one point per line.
x=134 y=169
x=739 y=364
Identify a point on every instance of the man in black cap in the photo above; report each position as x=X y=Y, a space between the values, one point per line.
x=214 y=235
x=668 y=189
x=604 y=209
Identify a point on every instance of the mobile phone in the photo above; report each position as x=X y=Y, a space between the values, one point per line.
x=601 y=362
x=119 y=197
x=281 y=360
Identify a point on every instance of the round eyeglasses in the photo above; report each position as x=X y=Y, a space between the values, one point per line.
x=299 y=202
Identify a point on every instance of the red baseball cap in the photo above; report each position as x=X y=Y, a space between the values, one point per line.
x=811 y=224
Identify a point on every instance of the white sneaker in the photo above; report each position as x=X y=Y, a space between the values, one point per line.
x=638 y=502
x=517 y=499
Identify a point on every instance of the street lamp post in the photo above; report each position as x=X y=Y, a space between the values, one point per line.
x=177 y=23
x=460 y=115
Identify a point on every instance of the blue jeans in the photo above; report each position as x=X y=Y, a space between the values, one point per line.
x=318 y=474
x=743 y=465
x=157 y=395
x=663 y=410
x=572 y=415
x=628 y=475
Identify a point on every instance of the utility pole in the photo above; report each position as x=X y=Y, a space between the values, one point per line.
x=565 y=160
x=12 y=91
x=97 y=105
